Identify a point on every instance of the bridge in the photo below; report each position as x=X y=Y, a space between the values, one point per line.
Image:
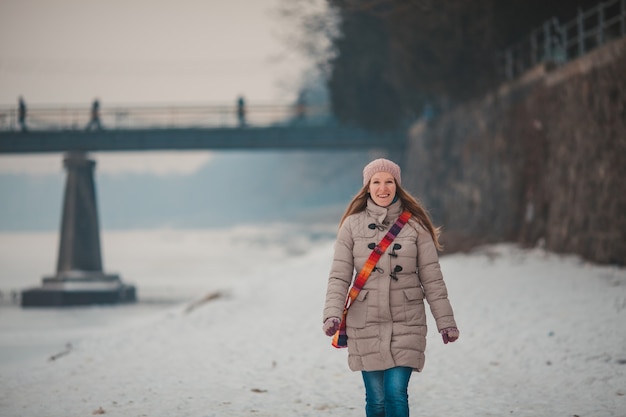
x=79 y=278
x=197 y=127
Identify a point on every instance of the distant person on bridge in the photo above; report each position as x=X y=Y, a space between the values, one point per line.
x=94 y=121
x=241 y=111
x=301 y=107
x=21 y=114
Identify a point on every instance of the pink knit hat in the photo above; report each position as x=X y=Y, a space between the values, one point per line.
x=381 y=165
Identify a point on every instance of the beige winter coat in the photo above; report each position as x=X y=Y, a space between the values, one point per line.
x=386 y=324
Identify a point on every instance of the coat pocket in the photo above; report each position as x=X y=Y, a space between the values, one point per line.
x=357 y=313
x=414 y=306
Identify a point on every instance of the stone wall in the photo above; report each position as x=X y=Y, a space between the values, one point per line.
x=541 y=161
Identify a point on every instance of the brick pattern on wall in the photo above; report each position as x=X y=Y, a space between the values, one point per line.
x=541 y=162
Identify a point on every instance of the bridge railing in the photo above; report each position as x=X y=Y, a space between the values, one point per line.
x=557 y=43
x=162 y=116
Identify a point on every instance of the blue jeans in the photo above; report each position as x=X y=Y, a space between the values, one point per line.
x=386 y=392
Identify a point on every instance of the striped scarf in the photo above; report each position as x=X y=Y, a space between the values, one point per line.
x=340 y=339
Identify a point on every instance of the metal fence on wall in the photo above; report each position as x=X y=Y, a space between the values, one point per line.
x=556 y=43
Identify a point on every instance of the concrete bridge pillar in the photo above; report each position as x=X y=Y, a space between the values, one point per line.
x=79 y=247
x=79 y=279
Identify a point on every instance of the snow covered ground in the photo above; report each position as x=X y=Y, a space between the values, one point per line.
x=541 y=335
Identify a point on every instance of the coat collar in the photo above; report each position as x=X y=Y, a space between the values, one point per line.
x=384 y=215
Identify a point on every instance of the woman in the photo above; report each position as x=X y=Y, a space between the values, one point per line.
x=386 y=324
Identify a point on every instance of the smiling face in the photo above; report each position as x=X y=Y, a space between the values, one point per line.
x=382 y=188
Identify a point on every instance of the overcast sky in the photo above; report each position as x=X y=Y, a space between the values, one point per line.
x=139 y=51
x=143 y=52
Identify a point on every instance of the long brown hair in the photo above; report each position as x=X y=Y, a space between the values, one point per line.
x=419 y=212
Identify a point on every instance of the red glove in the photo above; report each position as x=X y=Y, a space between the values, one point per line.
x=449 y=334
x=331 y=325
